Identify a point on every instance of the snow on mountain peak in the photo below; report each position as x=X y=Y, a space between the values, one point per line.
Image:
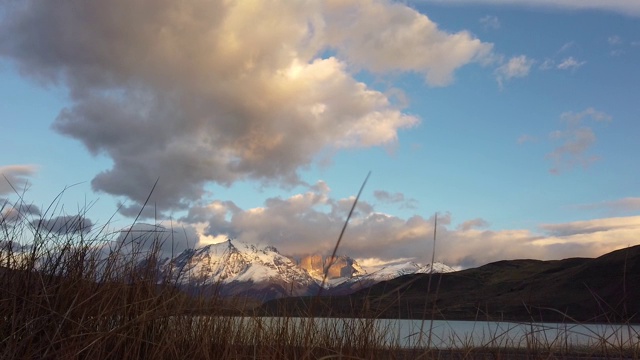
x=237 y=261
x=393 y=271
x=245 y=268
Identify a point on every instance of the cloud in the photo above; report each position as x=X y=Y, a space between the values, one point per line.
x=589 y=238
x=591 y=226
x=310 y=222
x=567 y=46
x=490 y=22
x=572 y=118
x=395 y=198
x=625 y=205
x=169 y=240
x=576 y=139
x=614 y=40
x=624 y=7
x=477 y=223
x=616 y=52
x=526 y=138
x=15 y=177
x=384 y=36
x=11 y=214
x=209 y=91
x=570 y=64
x=547 y=64
x=64 y=225
x=516 y=67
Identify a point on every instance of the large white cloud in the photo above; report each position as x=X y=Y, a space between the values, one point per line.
x=193 y=92
x=383 y=36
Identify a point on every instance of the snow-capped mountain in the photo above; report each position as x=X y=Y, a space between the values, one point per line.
x=238 y=268
x=235 y=268
x=387 y=273
x=393 y=271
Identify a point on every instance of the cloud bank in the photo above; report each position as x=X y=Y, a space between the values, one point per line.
x=212 y=91
x=625 y=7
x=311 y=222
x=619 y=206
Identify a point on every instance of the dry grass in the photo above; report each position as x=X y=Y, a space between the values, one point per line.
x=68 y=294
x=76 y=294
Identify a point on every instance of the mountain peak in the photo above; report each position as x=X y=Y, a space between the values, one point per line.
x=339 y=268
x=235 y=267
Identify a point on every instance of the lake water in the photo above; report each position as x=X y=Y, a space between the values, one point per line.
x=457 y=334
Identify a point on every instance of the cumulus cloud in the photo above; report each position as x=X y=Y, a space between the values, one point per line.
x=310 y=223
x=384 y=36
x=168 y=239
x=625 y=7
x=64 y=225
x=575 y=140
x=516 y=67
x=490 y=22
x=15 y=177
x=10 y=214
x=211 y=91
x=395 y=198
x=477 y=223
x=590 y=238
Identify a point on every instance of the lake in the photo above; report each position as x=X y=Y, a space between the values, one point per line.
x=439 y=334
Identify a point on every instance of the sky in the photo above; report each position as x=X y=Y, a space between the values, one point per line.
x=515 y=123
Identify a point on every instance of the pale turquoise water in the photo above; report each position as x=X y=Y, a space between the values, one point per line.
x=448 y=334
x=456 y=334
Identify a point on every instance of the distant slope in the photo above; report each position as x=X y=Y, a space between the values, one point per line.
x=602 y=289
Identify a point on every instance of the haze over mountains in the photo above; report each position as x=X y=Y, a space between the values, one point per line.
x=236 y=268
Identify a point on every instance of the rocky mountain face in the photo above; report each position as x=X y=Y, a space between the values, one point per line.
x=339 y=268
x=236 y=268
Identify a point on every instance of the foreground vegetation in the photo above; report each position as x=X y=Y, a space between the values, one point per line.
x=70 y=292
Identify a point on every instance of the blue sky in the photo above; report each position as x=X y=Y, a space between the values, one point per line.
x=516 y=123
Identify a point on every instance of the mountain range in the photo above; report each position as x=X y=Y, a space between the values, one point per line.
x=601 y=289
x=236 y=268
